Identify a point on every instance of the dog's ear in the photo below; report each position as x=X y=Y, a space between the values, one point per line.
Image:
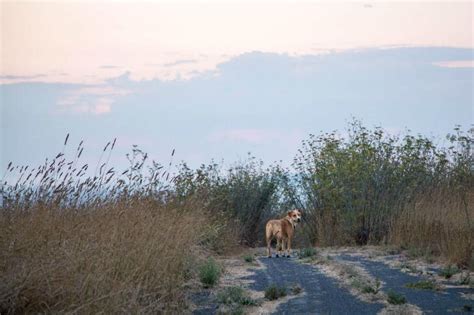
x=289 y=213
x=301 y=212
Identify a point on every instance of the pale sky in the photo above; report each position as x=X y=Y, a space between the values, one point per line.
x=87 y=42
x=217 y=80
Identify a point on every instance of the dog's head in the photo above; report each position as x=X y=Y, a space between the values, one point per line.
x=295 y=216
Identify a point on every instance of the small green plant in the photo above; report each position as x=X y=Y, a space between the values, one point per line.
x=448 y=271
x=249 y=258
x=209 y=273
x=395 y=298
x=423 y=285
x=378 y=284
x=235 y=295
x=307 y=252
x=366 y=286
x=410 y=268
x=368 y=289
x=350 y=271
x=392 y=250
x=296 y=289
x=274 y=292
x=465 y=279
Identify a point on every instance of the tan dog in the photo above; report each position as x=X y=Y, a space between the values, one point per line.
x=283 y=230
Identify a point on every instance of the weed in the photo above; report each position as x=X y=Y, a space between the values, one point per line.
x=274 y=292
x=307 y=252
x=465 y=279
x=249 y=258
x=449 y=271
x=366 y=286
x=296 y=289
x=395 y=298
x=349 y=270
x=409 y=267
x=235 y=295
x=392 y=250
x=209 y=272
x=423 y=285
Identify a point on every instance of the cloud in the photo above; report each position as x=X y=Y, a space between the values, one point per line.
x=180 y=62
x=10 y=78
x=455 y=64
x=21 y=77
x=93 y=99
x=265 y=103
x=109 y=67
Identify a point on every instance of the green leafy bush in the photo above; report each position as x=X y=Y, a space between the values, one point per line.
x=423 y=285
x=274 y=292
x=307 y=252
x=249 y=258
x=235 y=295
x=209 y=272
x=448 y=271
x=395 y=298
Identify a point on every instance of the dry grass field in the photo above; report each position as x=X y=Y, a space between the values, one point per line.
x=77 y=241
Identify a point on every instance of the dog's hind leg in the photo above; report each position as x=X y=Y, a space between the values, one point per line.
x=269 y=245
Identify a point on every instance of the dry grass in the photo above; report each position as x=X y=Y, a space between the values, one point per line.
x=439 y=222
x=120 y=259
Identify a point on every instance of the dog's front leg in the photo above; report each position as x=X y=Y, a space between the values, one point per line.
x=278 y=248
x=288 y=248
x=269 y=246
x=283 y=247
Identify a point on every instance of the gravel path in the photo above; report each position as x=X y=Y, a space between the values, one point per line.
x=322 y=294
x=449 y=300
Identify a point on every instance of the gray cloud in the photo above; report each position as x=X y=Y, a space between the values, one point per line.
x=22 y=77
x=260 y=102
x=180 y=62
x=109 y=67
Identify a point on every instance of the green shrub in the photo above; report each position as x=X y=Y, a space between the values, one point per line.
x=296 y=289
x=366 y=286
x=235 y=295
x=274 y=292
x=395 y=298
x=209 y=272
x=307 y=252
x=249 y=258
x=448 y=271
x=423 y=285
x=465 y=279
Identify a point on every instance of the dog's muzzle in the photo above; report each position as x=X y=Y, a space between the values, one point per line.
x=299 y=220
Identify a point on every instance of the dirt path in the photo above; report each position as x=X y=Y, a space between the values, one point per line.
x=322 y=294
x=448 y=300
x=325 y=292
